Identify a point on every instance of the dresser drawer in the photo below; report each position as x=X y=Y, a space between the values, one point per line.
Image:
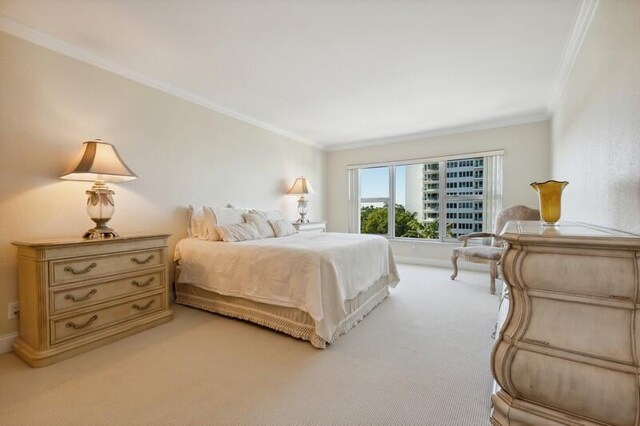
x=67 y=271
x=592 y=330
x=66 y=299
x=597 y=393
x=75 y=326
x=585 y=274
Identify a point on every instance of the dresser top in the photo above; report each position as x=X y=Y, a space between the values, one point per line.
x=566 y=232
x=74 y=241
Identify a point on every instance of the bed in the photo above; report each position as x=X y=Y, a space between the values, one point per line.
x=314 y=287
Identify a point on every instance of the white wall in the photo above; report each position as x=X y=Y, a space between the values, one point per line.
x=596 y=127
x=526 y=160
x=182 y=153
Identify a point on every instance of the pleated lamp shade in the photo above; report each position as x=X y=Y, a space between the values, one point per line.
x=301 y=186
x=100 y=162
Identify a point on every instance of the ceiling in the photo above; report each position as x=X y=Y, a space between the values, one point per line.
x=332 y=73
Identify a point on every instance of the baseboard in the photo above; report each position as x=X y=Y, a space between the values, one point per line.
x=441 y=263
x=6 y=342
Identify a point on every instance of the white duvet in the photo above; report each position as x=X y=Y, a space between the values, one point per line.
x=315 y=273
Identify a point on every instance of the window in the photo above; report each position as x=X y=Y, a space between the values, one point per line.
x=374 y=200
x=437 y=199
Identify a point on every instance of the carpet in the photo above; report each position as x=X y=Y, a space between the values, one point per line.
x=420 y=358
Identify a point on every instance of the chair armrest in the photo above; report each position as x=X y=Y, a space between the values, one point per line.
x=476 y=235
x=466 y=238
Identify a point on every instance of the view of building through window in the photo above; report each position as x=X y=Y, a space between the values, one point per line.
x=424 y=194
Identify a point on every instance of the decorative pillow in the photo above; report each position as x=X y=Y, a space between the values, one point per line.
x=282 y=227
x=227 y=215
x=220 y=216
x=268 y=214
x=264 y=229
x=237 y=232
x=197 y=223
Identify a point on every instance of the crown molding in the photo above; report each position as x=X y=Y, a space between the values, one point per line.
x=31 y=35
x=445 y=131
x=570 y=54
x=574 y=43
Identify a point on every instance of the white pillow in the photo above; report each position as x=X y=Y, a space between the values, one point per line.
x=282 y=227
x=220 y=216
x=227 y=215
x=264 y=229
x=237 y=232
x=197 y=223
x=268 y=214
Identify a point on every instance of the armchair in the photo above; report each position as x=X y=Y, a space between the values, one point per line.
x=490 y=254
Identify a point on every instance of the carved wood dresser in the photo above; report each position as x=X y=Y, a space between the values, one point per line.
x=78 y=294
x=569 y=347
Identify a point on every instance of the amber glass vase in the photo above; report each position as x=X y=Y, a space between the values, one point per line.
x=550 y=195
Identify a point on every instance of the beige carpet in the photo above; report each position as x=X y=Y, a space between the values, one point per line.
x=421 y=357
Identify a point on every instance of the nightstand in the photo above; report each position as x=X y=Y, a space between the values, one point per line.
x=76 y=295
x=311 y=227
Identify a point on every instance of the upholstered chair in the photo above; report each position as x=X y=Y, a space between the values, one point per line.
x=490 y=254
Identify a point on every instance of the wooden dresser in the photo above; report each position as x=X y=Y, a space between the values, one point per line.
x=79 y=294
x=569 y=348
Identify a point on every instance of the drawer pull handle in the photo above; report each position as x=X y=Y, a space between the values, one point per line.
x=143 y=307
x=71 y=324
x=144 y=284
x=83 y=271
x=538 y=342
x=142 y=262
x=81 y=298
x=613 y=296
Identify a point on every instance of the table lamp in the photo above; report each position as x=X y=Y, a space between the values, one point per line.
x=100 y=163
x=302 y=186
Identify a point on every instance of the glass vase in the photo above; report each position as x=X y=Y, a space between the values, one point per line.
x=550 y=196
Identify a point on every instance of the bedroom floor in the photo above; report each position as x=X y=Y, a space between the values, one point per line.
x=421 y=357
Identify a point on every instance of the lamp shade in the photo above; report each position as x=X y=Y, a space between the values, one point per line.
x=301 y=186
x=100 y=162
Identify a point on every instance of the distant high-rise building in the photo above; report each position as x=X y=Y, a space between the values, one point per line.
x=463 y=193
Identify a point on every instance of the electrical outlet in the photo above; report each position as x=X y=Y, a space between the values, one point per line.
x=13 y=310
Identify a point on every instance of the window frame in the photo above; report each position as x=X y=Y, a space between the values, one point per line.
x=443 y=198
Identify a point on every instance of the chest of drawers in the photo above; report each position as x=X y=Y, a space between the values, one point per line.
x=79 y=294
x=569 y=350
x=311 y=227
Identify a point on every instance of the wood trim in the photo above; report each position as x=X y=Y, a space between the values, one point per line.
x=6 y=342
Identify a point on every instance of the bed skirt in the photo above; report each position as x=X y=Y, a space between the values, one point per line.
x=291 y=321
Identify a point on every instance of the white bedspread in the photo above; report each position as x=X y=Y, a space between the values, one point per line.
x=315 y=273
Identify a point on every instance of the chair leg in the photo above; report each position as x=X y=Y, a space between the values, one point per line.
x=494 y=273
x=454 y=262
